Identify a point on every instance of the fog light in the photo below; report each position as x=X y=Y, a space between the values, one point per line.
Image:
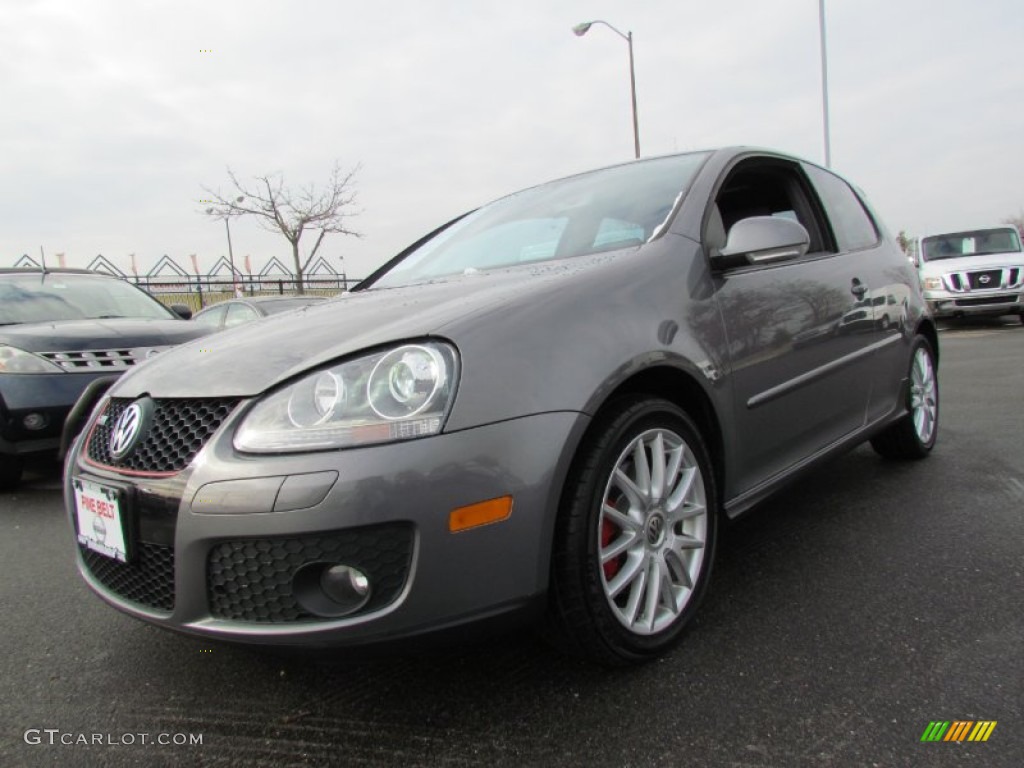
x=345 y=585
x=35 y=421
x=331 y=590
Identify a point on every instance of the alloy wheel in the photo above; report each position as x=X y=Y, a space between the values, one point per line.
x=652 y=530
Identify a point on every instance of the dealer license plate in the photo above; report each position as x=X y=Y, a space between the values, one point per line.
x=100 y=527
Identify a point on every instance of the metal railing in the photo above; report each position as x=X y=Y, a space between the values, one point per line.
x=203 y=290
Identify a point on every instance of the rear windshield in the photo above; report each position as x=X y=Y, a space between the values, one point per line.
x=975 y=243
x=604 y=210
x=36 y=297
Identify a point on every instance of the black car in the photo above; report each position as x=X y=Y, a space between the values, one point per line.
x=228 y=314
x=61 y=330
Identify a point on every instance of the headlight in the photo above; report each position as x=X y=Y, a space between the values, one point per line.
x=396 y=394
x=14 y=360
x=932 y=283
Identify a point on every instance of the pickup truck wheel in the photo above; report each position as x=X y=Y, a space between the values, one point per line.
x=913 y=436
x=635 y=537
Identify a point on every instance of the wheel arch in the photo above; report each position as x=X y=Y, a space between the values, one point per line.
x=927 y=329
x=679 y=387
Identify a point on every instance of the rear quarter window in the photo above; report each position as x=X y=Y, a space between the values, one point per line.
x=851 y=224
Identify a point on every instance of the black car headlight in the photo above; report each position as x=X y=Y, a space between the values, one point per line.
x=395 y=394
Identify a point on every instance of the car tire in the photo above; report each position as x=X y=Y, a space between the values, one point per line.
x=10 y=472
x=914 y=435
x=640 y=506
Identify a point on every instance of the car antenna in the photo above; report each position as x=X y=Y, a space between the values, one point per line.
x=42 y=259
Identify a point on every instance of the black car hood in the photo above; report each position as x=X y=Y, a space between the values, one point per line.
x=109 y=333
x=252 y=358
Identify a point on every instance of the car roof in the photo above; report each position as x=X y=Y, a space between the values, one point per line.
x=271 y=299
x=48 y=271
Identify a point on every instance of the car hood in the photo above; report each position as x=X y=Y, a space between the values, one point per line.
x=249 y=359
x=110 y=333
x=972 y=263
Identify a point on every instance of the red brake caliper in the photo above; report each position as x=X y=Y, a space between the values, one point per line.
x=609 y=532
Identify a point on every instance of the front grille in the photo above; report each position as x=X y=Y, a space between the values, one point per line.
x=251 y=579
x=148 y=580
x=988 y=279
x=101 y=359
x=179 y=430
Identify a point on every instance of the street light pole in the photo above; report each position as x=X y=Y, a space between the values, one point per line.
x=580 y=30
x=231 y=255
x=824 y=84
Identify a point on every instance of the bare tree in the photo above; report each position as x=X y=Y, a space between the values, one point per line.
x=1017 y=221
x=291 y=212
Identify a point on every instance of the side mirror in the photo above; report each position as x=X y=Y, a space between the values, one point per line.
x=182 y=311
x=762 y=240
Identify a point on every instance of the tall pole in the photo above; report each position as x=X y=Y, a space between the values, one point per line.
x=824 y=83
x=632 y=91
x=231 y=259
x=581 y=29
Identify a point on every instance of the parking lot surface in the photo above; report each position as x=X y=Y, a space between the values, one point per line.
x=846 y=614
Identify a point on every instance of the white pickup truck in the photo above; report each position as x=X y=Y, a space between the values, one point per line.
x=976 y=272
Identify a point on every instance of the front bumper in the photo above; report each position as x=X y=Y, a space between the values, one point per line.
x=50 y=395
x=216 y=552
x=948 y=304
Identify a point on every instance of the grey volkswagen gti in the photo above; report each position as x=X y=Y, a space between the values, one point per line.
x=545 y=406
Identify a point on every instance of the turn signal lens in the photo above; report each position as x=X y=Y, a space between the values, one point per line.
x=482 y=513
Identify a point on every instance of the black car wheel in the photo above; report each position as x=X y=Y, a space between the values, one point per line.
x=913 y=436
x=10 y=472
x=636 y=534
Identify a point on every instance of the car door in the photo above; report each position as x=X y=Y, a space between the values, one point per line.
x=799 y=383
x=888 y=281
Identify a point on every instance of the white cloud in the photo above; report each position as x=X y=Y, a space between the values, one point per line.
x=114 y=117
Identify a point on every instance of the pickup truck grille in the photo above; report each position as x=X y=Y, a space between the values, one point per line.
x=997 y=279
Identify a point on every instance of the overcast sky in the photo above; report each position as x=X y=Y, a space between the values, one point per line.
x=114 y=115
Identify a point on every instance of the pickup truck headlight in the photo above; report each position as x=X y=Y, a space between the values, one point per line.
x=396 y=394
x=14 y=360
x=932 y=283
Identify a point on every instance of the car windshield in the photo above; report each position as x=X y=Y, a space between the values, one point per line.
x=975 y=243
x=604 y=210
x=36 y=297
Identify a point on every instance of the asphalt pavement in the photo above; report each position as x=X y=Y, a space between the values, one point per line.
x=845 y=615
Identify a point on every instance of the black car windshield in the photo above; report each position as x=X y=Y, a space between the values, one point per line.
x=975 y=243
x=619 y=207
x=35 y=297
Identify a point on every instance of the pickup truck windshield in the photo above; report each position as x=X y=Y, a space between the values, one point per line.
x=974 y=243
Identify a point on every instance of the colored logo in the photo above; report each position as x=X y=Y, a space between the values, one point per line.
x=958 y=730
